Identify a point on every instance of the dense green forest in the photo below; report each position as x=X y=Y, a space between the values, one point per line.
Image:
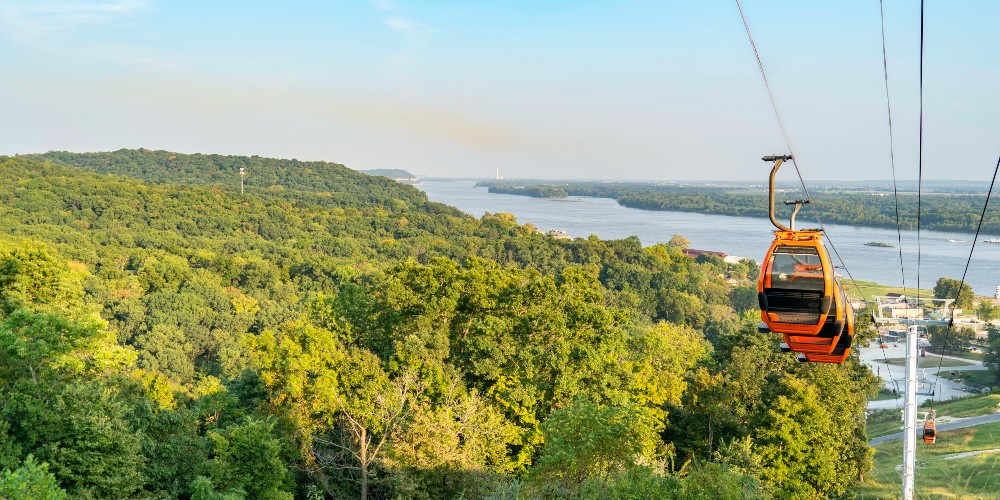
x=334 y=335
x=944 y=212
x=392 y=173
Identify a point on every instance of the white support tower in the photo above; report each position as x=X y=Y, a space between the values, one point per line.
x=243 y=172
x=911 y=311
x=910 y=415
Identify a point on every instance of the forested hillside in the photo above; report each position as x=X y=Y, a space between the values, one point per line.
x=330 y=334
x=392 y=173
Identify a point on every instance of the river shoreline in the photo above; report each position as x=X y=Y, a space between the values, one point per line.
x=749 y=237
x=762 y=213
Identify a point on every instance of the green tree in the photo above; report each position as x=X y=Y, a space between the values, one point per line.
x=31 y=481
x=948 y=340
x=81 y=430
x=458 y=444
x=371 y=408
x=174 y=445
x=991 y=357
x=744 y=298
x=715 y=480
x=796 y=445
x=585 y=440
x=203 y=489
x=679 y=241
x=33 y=277
x=634 y=483
x=248 y=457
x=947 y=288
x=744 y=270
x=343 y=403
x=987 y=311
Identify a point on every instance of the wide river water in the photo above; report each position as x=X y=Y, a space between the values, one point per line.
x=942 y=253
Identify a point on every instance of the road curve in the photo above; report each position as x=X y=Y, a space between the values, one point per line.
x=943 y=426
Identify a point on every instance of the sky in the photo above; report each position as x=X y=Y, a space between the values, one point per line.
x=640 y=90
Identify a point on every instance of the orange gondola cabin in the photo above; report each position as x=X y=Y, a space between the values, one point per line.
x=830 y=336
x=796 y=286
x=798 y=292
x=843 y=348
x=930 y=432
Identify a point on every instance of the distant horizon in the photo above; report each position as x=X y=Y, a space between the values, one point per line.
x=700 y=181
x=762 y=180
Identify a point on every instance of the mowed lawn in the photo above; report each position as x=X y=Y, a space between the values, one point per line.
x=930 y=361
x=982 y=377
x=964 y=463
x=870 y=289
x=965 y=407
x=883 y=422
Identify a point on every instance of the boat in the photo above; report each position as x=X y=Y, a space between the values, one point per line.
x=879 y=244
x=991 y=240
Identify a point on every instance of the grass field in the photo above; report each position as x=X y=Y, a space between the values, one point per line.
x=869 y=289
x=983 y=377
x=884 y=422
x=931 y=361
x=975 y=356
x=941 y=471
x=971 y=406
x=884 y=395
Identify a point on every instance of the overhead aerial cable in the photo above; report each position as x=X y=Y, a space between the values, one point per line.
x=792 y=156
x=895 y=192
x=910 y=404
x=920 y=144
x=979 y=226
x=892 y=149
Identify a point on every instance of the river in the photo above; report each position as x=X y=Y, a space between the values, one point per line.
x=941 y=254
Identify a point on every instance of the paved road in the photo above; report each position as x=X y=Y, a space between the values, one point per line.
x=942 y=426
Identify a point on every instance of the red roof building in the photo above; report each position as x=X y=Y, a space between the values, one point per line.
x=694 y=254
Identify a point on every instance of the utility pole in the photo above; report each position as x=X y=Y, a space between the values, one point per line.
x=243 y=172
x=910 y=415
x=914 y=310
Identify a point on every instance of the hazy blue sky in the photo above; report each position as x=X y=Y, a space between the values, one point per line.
x=557 y=89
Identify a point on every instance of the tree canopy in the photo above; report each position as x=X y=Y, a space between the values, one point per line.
x=333 y=334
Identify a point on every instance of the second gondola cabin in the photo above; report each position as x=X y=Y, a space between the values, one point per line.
x=843 y=348
x=830 y=336
x=930 y=432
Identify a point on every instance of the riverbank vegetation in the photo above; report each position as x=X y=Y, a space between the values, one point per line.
x=333 y=335
x=943 y=212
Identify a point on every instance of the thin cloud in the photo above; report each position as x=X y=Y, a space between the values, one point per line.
x=207 y=101
x=414 y=32
x=59 y=26
x=43 y=21
x=385 y=5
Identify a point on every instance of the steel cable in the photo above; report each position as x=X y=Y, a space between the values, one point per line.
x=968 y=261
x=892 y=162
x=788 y=143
